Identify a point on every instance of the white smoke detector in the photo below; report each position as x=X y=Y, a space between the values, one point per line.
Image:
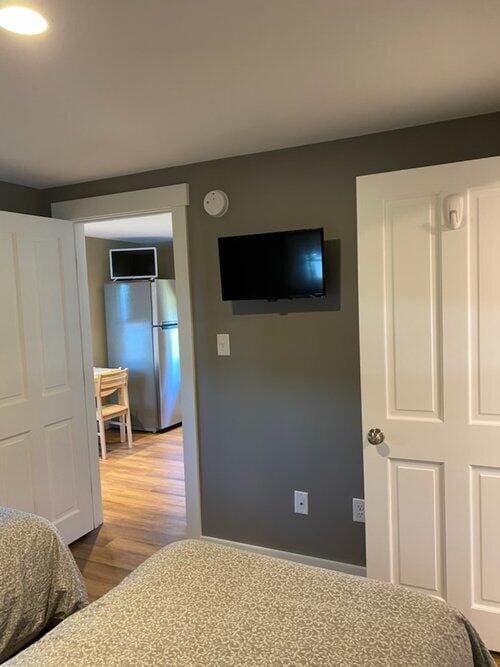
x=216 y=203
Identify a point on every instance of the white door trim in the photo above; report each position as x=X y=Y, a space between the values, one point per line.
x=173 y=199
x=122 y=204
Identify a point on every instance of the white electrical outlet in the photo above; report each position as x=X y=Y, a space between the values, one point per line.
x=358 y=510
x=301 y=502
x=223 y=346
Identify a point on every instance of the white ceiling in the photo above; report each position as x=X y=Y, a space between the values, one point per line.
x=140 y=229
x=120 y=86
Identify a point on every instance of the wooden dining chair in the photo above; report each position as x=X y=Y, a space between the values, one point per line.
x=106 y=384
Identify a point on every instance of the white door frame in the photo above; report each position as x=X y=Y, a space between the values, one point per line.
x=173 y=199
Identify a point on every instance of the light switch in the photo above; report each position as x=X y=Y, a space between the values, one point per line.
x=223 y=347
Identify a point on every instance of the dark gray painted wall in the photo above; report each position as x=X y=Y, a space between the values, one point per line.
x=20 y=199
x=283 y=412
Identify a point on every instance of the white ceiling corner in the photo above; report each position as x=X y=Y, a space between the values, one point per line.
x=142 y=229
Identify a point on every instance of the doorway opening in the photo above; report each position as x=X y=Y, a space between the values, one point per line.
x=134 y=328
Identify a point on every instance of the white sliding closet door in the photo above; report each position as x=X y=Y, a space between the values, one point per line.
x=44 y=462
x=429 y=304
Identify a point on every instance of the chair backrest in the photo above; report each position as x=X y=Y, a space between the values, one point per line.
x=112 y=381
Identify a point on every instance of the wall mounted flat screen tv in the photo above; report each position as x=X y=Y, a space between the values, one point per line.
x=279 y=265
x=133 y=263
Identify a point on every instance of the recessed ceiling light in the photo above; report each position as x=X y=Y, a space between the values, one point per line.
x=22 y=20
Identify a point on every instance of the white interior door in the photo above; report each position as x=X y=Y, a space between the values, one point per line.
x=44 y=458
x=429 y=305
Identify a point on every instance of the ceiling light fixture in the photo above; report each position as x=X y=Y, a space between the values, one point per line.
x=22 y=20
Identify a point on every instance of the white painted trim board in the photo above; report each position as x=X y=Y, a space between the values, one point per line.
x=123 y=204
x=173 y=199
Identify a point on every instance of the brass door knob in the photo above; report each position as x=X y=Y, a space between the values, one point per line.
x=375 y=436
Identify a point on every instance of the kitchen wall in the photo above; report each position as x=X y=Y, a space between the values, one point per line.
x=283 y=412
x=97 y=251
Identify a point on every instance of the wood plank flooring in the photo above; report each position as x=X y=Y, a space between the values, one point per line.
x=144 y=508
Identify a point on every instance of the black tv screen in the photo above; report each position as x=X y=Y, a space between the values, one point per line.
x=130 y=263
x=279 y=265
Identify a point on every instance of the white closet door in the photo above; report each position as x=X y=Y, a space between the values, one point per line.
x=44 y=461
x=429 y=306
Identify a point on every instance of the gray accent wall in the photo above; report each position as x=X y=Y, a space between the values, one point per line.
x=283 y=412
x=21 y=199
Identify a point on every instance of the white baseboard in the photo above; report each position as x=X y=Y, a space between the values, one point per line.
x=348 y=568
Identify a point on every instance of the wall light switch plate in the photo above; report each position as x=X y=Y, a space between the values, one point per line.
x=301 y=502
x=358 y=510
x=223 y=347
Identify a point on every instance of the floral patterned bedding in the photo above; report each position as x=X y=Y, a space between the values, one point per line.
x=198 y=603
x=40 y=584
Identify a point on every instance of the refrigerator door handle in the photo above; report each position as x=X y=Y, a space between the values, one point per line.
x=166 y=325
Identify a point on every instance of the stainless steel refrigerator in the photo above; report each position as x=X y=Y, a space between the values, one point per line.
x=143 y=336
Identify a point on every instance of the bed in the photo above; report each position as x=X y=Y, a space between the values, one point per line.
x=40 y=584
x=199 y=603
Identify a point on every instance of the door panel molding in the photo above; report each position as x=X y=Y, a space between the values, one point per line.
x=16 y=470
x=418 y=553
x=12 y=352
x=412 y=308
x=52 y=314
x=62 y=468
x=484 y=281
x=485 y=501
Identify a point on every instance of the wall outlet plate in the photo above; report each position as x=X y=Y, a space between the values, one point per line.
x=301 y=502
x=358 y=510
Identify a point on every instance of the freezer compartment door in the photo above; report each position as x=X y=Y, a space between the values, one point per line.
x=165 y=310
x=169 y=375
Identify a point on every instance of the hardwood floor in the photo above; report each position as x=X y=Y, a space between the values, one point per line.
x=144 y=508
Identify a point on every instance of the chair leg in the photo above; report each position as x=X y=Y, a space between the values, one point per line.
x=129 y=429
x=102 y=438
x=122 y=428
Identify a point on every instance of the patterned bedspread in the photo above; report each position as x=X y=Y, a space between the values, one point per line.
x=196 y=603
x=40 y=584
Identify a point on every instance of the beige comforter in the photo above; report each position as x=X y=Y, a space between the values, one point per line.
x=40 y=584
x=196 y=603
